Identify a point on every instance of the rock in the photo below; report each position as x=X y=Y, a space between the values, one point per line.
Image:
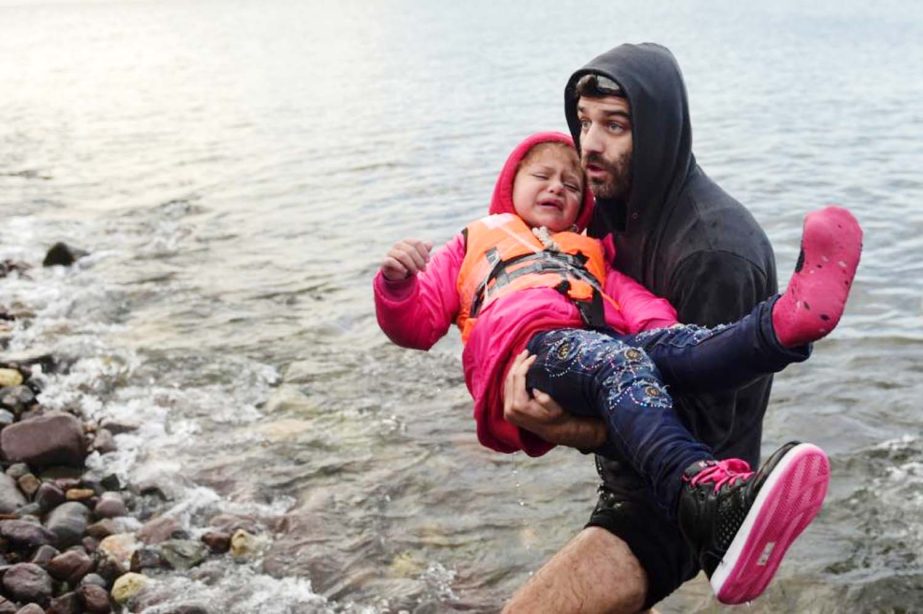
x=17 y=470
x=119 y=547
x=158 y=530
x=11 y=499
x=32 y=608
x=6 y=418
x=230 y=523
x=10 y=377
x=70 y=566
x=7 y=607
x=26 y=535
x=95 y=599
x=30 y=509
x=56 y=438
x=111 y=482
x=44 y=554
x=103 y=529
x=183 y=554
x=68 y=603
x=104 y=442
x=90 y=544
x=218 y=542
x=110 y=505
x=49 y=496
x=68 y=521
x=146 y=558
x=128 y=586
x=187 y=608
x=29 y=484
x=79 y=494
x=109 y=569
x=95 y=580
x=27 y=582
x=118 y=427
x=243 y=544
x=63 y=255
x=16 y=398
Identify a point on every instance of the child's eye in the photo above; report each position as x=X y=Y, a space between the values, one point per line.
x=540 y=175
x=572 y=187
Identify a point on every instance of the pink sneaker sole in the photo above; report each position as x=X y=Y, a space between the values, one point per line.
x=786 y=504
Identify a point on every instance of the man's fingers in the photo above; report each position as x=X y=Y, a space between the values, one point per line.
x=547 y=403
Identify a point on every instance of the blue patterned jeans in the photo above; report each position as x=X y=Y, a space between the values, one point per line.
x=623 y=378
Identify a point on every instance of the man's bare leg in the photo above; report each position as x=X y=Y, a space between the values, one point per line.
x=594 y=573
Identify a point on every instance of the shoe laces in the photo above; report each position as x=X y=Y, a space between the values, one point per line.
x=722 y=472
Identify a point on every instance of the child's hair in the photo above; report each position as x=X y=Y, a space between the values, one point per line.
x=536 y=151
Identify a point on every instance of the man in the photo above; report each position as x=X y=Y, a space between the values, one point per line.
x=678 y=233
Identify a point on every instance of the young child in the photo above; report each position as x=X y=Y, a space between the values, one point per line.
x=605 y=346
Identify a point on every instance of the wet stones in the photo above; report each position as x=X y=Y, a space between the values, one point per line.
x=26 y=535
x=62 y=254
x=11 y=499
x=70 y=566
x=183 y=554
x=127 y=586
x=48 y=496
x=68 y=522
x=10 y=377
x=27 y=582
x=53 y=439
x=110 y=505
x=95 y=599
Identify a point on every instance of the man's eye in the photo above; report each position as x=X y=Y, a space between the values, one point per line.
x=584 y=125
x=614 y=127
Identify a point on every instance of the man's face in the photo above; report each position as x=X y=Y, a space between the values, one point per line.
x=605 y=145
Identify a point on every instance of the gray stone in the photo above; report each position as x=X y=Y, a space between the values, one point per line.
x=117 y=427
x=111 y=482
x=182 y=553
x=104 y=442
x=27 y=582
x=17 y=470
x=95 y=579
x=26 y=535
x=56 y=438
x=147 y=557
x=16 y=398
x=11 y=499
x=68 y=521
x=44 y=554
x=6 y=418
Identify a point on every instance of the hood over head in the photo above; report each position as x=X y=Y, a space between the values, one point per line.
x=661 y=156
x=502 y=200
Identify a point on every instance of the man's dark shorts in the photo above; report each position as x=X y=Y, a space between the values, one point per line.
x=626 y=508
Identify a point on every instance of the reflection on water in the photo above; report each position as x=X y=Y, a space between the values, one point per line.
x=237 y=169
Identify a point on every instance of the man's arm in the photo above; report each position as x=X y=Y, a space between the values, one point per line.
x=541 y=415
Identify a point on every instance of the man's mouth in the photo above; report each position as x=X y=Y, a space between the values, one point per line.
x=595 y=171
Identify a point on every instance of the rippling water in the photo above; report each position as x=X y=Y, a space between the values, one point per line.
x=238 y=168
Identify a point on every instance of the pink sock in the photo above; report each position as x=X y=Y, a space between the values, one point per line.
x=816 y=295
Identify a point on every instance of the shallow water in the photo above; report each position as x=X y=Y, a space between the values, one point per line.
x=237 y=169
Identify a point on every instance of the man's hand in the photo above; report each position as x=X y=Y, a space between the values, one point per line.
x=542 y=415
x=406 y=259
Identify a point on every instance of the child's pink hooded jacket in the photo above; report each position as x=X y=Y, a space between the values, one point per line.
x=418 y=311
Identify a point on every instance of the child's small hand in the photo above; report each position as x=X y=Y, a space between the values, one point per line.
x=406 y=259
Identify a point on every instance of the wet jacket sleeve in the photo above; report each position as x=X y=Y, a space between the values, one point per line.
x=415 y=313
x=640 y=308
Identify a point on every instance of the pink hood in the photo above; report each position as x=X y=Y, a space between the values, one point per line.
x=502 y=199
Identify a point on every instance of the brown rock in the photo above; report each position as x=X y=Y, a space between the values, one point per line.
x=32 y=608
x=29 y=484
x=70 y=566
x=79 y=494
x=110 y=505
x=27 y=582
x=68 y=603
x=25 y=534
x=103 y=529
x=95 y=599
x=56 y=438
x=44 y=554
x=7 y=607
x=49 y=496
x=119 y=547
x=218 y=542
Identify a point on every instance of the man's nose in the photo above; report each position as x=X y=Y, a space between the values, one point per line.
x=590 y=142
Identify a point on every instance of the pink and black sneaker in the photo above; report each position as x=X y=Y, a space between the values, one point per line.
x=741 y=523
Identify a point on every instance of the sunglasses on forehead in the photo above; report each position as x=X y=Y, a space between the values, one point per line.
x=599 y=84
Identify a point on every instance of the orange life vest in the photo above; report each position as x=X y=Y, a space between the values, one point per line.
x=503 y=255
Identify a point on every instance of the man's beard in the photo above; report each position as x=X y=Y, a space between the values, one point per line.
x=618 y=183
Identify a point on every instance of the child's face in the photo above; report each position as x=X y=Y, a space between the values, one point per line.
x=548 y=188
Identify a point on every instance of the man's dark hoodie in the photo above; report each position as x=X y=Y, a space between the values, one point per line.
x=681 y=235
